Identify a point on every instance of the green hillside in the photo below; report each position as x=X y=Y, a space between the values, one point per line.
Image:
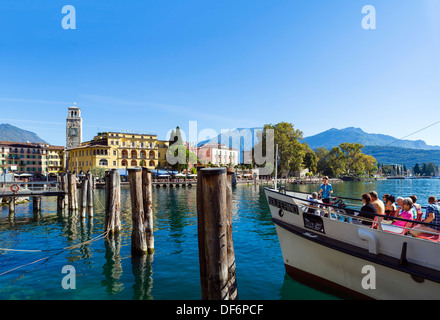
x=408 y=157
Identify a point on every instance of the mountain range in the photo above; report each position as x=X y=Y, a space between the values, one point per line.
x=11 y=133
x=335 y=137
x=384 y=148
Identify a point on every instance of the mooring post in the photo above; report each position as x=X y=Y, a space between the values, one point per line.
x=138 y=239
x=65 y=188
x=233 y=295
x=90 y=191
x=147 y=195
x=72 y=192
x=112 y=223
x=11 y=205
x=84 y=189
x=36 y=204
x=212 y=213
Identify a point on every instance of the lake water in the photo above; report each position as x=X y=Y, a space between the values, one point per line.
x=105 y=269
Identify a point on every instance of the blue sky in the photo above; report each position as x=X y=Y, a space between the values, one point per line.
x=153 y=65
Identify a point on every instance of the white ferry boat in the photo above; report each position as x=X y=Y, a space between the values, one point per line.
x=327 y=248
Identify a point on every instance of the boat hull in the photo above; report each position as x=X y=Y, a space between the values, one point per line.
x=356 y=267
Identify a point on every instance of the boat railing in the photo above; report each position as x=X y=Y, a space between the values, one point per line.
x=349 y=215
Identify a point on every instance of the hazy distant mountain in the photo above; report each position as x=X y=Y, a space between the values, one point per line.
x=15 y=134
x=334 y=137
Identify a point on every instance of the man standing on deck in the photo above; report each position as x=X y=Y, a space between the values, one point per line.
x=325 y=190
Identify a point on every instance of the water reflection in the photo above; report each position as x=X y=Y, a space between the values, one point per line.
x=112 y=268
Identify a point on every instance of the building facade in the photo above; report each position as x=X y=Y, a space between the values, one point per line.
x=118 y=150
x=217 y=154
x=56 y=160
x=21 y=158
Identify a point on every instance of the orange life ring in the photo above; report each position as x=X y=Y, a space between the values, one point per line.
x=15 y=188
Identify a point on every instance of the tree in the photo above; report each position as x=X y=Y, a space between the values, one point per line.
x=311 y=161
x=291 y=151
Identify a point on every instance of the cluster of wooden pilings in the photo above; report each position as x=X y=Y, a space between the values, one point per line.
x=214 y=218
x=142 y=238
x=70 y=200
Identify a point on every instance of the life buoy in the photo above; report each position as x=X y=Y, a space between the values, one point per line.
x=15 y=188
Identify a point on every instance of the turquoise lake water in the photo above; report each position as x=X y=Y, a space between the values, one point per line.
x=106 y=270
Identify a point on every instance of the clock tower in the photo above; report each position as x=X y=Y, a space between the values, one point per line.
x=73 y=128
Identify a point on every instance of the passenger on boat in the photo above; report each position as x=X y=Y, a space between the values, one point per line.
x=390 y=207
x=398 y=225
x=380 y=207
x=399 y=202
x=315 y=202
x=417 y=209
x=325 y=190
x=368 y=210
x=432 y=216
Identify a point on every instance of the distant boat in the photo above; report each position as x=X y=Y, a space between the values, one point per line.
x=336 y=253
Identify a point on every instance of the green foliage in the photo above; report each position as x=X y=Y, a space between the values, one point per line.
x=291 y=151
x=345 y=160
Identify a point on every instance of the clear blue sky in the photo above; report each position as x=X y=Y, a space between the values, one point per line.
x=152 y=65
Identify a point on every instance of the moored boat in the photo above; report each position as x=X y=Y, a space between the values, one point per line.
x=329 y=248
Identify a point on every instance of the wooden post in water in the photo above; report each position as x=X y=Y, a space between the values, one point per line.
x=11 y=205
x=90 y=188
x=72 y=192
x=36 y=204
x=84 y=189
x=138 y=239
x=233 y=294
x=212 y=213
x=65 y=187
x=147 y=190
x=112 y=223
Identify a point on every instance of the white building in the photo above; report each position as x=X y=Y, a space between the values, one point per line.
x=218 y=154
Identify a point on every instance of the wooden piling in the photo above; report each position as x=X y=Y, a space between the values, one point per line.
x=138 y=239
x=147 y=190
x=213 y=233
x=233 y=295
x=36 y=204
x=65 y=188
x=84 y=190
x=11 y=205
x=112 y=223
x=72 y=192
x=90 y=191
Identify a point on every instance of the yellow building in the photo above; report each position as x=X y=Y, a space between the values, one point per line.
x=116 y=150
x=56 y=160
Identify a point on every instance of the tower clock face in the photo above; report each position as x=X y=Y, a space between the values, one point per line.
x=73 y=132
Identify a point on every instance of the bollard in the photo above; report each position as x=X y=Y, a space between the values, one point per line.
x=216 y=254
x=148 y=208
x=138 y=239
x=112 y=222
x=90 y=185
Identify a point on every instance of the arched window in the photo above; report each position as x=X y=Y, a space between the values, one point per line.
x=124 y=163
x=143 y=155
x=133 y=154
x=133 y=163
x=142 y=163
x=151 y=164
x=103 y=162
x=124 y=154
x=152 y=155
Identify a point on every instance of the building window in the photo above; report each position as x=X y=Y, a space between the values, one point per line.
x=103 y=162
